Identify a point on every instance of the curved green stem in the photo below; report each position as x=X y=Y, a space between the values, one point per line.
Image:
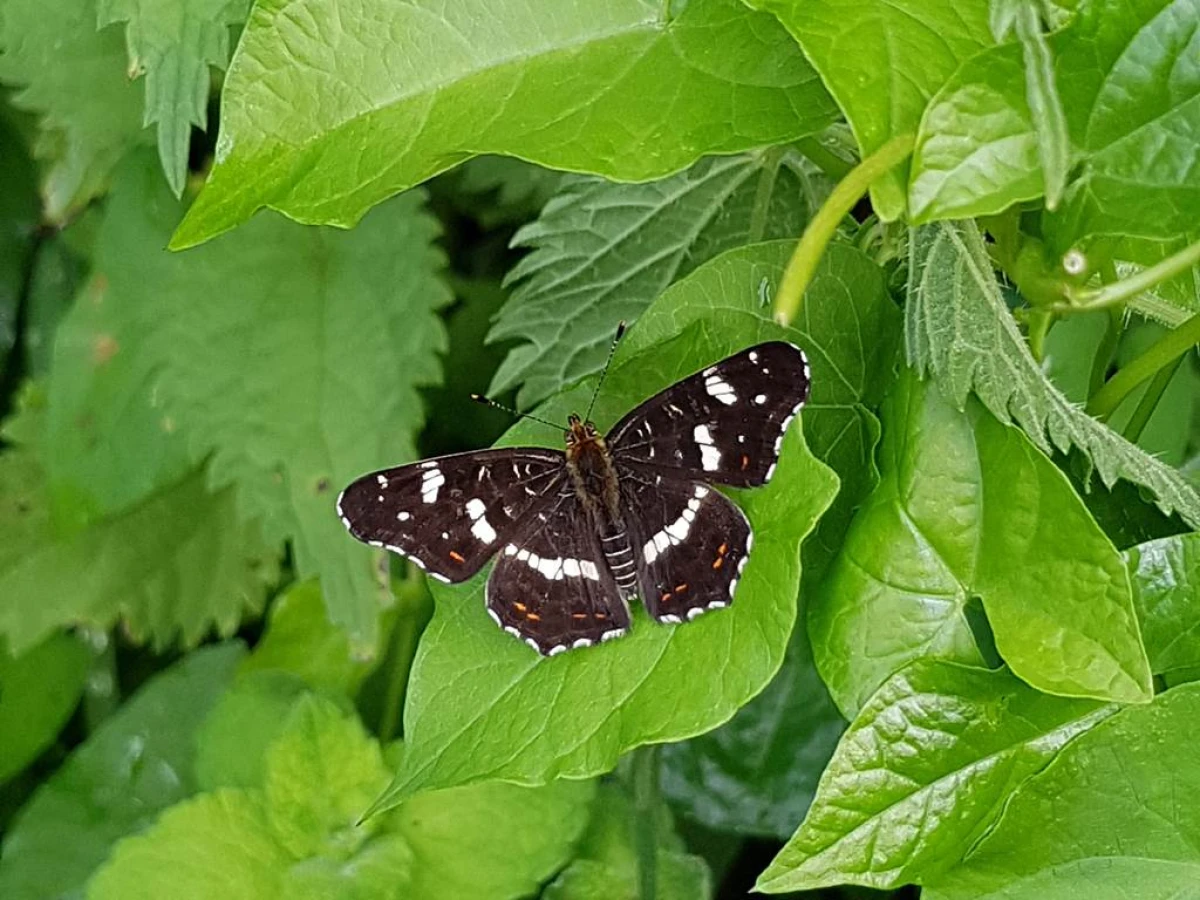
x=1129 y=288
x=1160 y=355
x=821 y=228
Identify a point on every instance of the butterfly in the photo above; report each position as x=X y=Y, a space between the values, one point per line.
x=578 y=533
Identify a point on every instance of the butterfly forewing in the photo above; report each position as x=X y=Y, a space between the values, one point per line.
x=451 y=514
x=551 y=587
x=689 y=541
x=724 y=424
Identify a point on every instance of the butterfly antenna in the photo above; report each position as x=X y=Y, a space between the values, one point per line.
x=603 y=372
x=488 y=401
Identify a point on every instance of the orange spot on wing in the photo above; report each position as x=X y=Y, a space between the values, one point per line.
x=534 y=617
x=578 y=615
x=600 y=616
x=665 y=598
x=680 y=588
x=745 y=462
x=723 y=549
x=456 y=556
x=520 y=607
x=718 y=562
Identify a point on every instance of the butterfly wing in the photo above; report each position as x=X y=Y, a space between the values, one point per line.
x=724 y=424
x=451 y=514
x=551 y=587
x=689 y=541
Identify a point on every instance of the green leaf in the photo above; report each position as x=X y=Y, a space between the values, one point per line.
x=500 y=190
x=18 y=221
x=38 y=692
x=756 y=774
x=301 y=640
x=1123 y=800
x=295 y=833
x=606 y=865
x=173 y=42
x=923 y=771
x=959 y=329
x=600 y=252
x=328 y=110
x=132 y=767
x=291 y=356
x=73 y=77
x=476 y=694
x=170 y=567
x=1166 y=591
x=882 y=61
x=968 y=507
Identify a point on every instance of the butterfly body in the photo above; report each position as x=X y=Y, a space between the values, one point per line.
x=578 y=533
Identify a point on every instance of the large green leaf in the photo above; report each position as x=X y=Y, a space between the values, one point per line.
x=1121 y=803
x=135 y=765
x=1132 y=105
x=882 y=60
x=924 y=769
x=73 y=77
x=331 y=107
x=959 y=328
x=1166 y=592
x=968 y=507
x=38 y=691
x=600 y=252
x=293 y=834
x=174 y=42
x=170 y=567
x=483 y=706
x=292 y=356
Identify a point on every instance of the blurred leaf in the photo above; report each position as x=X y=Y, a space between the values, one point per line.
x=171 y=567
x=624 y=89
x=19 y=212
x=135 y=765
x=606 y=865
x=59 y=270
x=301 y=640
x=756 y=774
x=660 y=684
x=73 y=77
x=38 y=692
x=1166 y=592
x=501 y=190
x=923 y=771
x=882 y=60
x=173 y=42
x=1123 y=799
x=968 y=507
x=600 y=252
x=959 y=329
x=291 y=356
x=295 y=836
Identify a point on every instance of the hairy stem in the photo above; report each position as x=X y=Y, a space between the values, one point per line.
x=823 y=226
x=1160 y=355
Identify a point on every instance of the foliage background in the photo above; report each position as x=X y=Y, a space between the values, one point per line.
x=249 y=252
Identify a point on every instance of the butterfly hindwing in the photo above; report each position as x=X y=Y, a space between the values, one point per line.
x=724 y=424
x=689 y=540
x=451 y=514
x=551 y=587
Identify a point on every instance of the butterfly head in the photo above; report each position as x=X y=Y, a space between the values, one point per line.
x=580 y=432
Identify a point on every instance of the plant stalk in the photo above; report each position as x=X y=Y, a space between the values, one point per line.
x=646 y=802
x=1149 y=402
x=821 y=229
x=1129 y=288
x=1161 y=354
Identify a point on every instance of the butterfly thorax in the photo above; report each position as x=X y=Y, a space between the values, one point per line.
x=592 y=473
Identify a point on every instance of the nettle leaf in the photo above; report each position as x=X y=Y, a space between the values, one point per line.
x=757 y=773
x=329 y=109
x=1131 y=115
x=136 y=764
x=172 y=566
x=923 y=771
x=1123 y=799
x=600 y=252
x=291 y=356
x=922 y=44
x=38 y=692
x=482 y=706
x=19 y=212
x=173 y=42
x=967 y=507
x=1166 y=591
x=958 y=327
x=294 y=834
x=73 y=77
x=606 y=865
